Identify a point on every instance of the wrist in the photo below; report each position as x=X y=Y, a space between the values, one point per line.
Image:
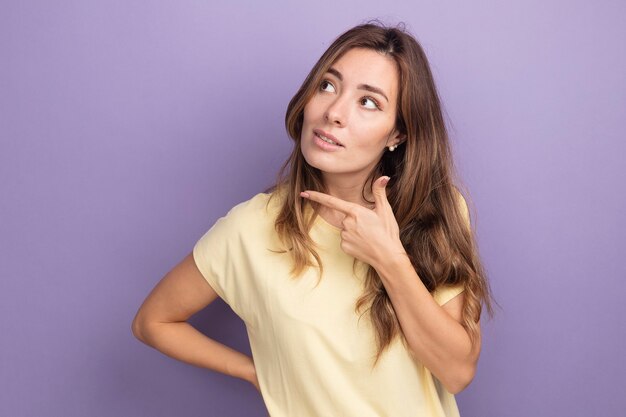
x=249 y=371
x=392 y=261
x=241 y=367
x=252 y=372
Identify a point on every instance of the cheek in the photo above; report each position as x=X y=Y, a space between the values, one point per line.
x=370 y=140
x=311 y=108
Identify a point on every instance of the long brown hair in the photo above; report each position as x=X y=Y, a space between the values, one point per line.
x=423 y=191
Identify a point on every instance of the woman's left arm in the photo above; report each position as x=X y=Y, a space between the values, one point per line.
x=434 y=333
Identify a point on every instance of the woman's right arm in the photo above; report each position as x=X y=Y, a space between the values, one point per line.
x=161 y=322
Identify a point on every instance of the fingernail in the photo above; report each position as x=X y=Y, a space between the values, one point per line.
x=385 y=180
x=304 y=194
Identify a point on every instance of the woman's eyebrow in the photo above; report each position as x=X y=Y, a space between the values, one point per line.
x=360 y=86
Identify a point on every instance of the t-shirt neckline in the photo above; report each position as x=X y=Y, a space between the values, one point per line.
x=323 y=223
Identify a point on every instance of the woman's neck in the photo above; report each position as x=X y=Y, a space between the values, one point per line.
x=347 y=190
x=348 y=187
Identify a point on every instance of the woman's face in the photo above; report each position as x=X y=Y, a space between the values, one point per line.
x=356 y=104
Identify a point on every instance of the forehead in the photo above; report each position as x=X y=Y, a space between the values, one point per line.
x=366 y=66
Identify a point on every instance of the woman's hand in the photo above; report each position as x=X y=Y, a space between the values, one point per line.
x=372 y=236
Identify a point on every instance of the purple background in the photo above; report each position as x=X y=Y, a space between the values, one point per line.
x=128 y=128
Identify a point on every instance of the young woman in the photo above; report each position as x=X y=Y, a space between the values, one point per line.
x=357 y=274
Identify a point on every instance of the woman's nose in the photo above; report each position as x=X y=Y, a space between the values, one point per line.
x=336 y=112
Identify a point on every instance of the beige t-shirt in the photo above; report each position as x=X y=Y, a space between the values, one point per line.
x=311 y=352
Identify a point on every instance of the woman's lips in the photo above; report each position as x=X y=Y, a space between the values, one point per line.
x=320 y=132
x=325 y=145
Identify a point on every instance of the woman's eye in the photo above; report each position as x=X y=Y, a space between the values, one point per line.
x=373 y=106
x=372 y=101
x=325 y=82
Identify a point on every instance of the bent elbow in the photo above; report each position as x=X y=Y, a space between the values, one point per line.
x=462 y=380
x=136 y=328
x=457 y=387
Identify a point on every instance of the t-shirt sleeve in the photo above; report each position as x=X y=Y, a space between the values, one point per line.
x=445 y=293
x=464 y=209
x=208 y=253
x=215 y=255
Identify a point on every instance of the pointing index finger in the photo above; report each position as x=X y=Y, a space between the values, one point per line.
x=329 y=201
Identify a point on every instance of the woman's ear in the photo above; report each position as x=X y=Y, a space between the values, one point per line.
x=397 y=139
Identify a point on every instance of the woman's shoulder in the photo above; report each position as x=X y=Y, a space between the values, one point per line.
x=248 y=207
x=463 y=208
x=260 y=205
x=444 y=293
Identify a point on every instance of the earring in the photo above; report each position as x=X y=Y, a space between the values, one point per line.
x=392 y=147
